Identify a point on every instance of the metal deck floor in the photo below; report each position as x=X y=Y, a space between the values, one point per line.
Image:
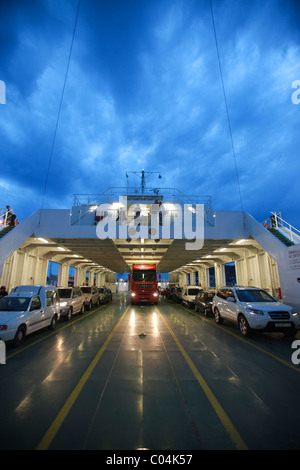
x=145 y=377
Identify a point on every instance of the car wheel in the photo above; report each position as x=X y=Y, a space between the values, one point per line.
x=218 y=318
x=69 y=314
x=82 y=308
x=20 y=335
x=196 y=308
x=206 y=312
x=244 y=326
x=53 y=322
x=290 y=333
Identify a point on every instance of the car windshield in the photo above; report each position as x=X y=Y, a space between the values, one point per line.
x=64 y=293
x=14 y=304
x=254 y=296
x=86 y=290
x=144 y=275
x=210 y=295
x=193 y=291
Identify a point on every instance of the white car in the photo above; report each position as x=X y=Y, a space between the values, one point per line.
x=188 y=295
x=253 y=308
x=91 y=296
x=72 y=301
x=27 y=309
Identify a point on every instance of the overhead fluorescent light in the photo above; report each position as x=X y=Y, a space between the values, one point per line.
x=169 y=206
x=43 y=240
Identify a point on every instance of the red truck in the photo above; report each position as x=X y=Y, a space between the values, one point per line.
x=144 y=284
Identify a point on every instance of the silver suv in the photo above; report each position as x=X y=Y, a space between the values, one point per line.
x=71 y=301
x=253 y=308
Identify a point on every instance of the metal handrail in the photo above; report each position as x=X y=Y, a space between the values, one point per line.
x=277 y=222
x=113 y=192
x=3 y=220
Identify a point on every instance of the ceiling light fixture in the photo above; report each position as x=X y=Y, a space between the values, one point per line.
x=43 y=240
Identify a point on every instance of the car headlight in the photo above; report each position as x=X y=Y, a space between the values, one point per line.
x=155 y=294
x=253 y=311
x=294 y=313
x=63 y=304
x=132 y=294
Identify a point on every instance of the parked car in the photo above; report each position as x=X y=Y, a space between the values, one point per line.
x=72 y=301
x=253 y=308
x=203 y=302
x=109 y=295
x=188 y=295
x=164 y=292
x=27 y=309
x=176 y=295
x=170 y=292
x=104 y=295
x=91 y=296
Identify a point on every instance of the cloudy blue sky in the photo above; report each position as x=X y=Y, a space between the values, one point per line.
x=144 y=91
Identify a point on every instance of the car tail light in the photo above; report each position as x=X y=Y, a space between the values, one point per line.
x=3 y=327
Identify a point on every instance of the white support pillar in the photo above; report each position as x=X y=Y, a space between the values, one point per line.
x=63 y=275
x=219 y=275
x=241 y=272
x=202 y=278
x=80 y=276
x=88 y=279
x=41 y=271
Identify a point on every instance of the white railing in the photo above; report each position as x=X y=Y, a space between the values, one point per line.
x=113 y=194
x=276 y=221
x=5 y=220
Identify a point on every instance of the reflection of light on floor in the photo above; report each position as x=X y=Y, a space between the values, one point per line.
x=24 y=406
x=140 y=404
x=155 y=327
x=132 y=322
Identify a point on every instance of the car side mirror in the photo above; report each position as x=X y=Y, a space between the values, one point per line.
x=75 y=296
x=231 y=299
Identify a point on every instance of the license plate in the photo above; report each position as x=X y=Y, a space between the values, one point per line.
x=283 y=325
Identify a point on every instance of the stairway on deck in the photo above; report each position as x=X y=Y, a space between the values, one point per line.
x=5 y=231
x=281 y=237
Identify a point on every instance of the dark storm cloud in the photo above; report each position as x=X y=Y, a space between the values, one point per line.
x=144 y=91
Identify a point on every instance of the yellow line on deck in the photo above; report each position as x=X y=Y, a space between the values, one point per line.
x=54 y=428
x=231 y=430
